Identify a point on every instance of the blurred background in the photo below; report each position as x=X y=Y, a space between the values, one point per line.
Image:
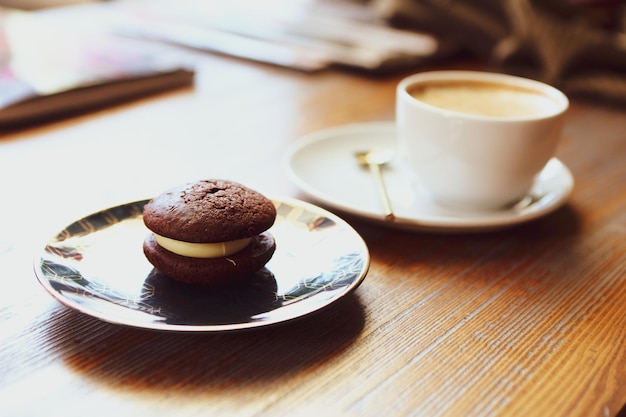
x=578 y=46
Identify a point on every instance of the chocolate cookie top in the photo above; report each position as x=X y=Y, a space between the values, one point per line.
x=209 y=211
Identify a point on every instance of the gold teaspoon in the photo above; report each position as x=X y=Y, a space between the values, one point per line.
x=375 y=159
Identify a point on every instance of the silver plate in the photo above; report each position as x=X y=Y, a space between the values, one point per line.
x=96 y=266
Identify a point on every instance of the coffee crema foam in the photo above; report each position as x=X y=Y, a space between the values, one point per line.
x=484 y=98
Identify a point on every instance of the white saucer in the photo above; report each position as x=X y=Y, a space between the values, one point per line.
x=322 y=165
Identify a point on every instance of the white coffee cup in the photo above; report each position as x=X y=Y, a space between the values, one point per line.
x=477 y=140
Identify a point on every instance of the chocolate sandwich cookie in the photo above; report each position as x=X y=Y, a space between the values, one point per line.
x=209 y=232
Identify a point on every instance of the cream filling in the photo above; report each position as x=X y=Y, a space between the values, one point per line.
x=202 y=250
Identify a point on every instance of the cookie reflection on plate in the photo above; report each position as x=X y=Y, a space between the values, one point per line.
x=182 y=303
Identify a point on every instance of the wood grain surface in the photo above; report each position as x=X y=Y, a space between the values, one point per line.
x=529 y=321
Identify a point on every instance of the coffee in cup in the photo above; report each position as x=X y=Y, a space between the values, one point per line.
x=476 y=140
x=484 y=98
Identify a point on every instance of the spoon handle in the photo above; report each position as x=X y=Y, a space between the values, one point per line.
x=382 y=191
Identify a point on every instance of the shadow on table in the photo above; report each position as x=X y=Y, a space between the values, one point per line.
x=564 y=225
x=130 y=358
x=547 y=253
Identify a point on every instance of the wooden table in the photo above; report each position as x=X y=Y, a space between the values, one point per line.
x=529 y=321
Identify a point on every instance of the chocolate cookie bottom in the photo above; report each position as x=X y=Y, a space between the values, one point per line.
x=212 y=271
